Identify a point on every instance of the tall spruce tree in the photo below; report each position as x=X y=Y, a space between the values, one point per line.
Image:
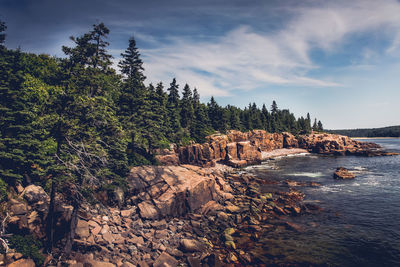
x=315 y=125
x=91 y=142
x=320 y=127
x=135 y=108
x=174 y=111
x=308 y=123
x=187 y=111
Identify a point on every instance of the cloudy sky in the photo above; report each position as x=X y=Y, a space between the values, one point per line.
x=338 y=60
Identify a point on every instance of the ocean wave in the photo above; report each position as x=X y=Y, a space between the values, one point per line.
x=307 y=174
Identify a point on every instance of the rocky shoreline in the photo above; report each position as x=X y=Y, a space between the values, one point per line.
x=224 y=231
x=238 y=149
x=184 y=215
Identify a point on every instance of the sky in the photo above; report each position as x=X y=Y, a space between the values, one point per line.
x=337 y=60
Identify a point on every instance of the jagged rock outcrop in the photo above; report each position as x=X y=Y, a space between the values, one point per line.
x=343 y=173
x=239 y=149
x=337 y=145
x=162 y=191
x=236 y=148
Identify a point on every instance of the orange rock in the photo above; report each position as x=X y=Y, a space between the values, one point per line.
x=22 y=263
x=343 y=173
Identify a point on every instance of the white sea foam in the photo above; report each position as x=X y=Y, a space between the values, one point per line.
x=307 y=174
x=360 y=168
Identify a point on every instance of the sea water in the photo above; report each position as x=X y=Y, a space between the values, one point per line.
x=360 y=223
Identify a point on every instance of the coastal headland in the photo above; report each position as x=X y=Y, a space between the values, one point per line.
x=196 y=208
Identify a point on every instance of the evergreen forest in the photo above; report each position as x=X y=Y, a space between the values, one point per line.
x=75 y=124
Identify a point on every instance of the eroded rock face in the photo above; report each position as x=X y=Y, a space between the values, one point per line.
x=238 y=149
x=171 y=190
x=289 y=140
x=337 y=144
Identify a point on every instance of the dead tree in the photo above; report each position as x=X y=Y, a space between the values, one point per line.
x=81 y=163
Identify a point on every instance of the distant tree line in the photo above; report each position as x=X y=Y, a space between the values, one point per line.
x=391 y=131
x=74 y=125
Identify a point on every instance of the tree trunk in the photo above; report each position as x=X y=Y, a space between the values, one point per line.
x=71 y=234
x=50 y=219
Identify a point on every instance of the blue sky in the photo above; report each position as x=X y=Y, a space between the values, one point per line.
x=338 y=60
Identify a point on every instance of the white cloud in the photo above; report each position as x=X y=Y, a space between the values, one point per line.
x=244 y=59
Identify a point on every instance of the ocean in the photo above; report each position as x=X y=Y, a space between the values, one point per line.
x=360 y=221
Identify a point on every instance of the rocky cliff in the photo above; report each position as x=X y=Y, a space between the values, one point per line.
x=239 y=149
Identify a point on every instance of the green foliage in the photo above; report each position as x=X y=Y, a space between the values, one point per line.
x=75 y=122
x=3 y=190
x=27 y=246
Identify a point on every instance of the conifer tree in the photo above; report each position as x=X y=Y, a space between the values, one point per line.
x=174 y=111
x=162 y=102
x=131 y=64
x=265 y=119
x=308 y=123
x=315 y=125
x=25 y=144
x=91 y=142
x=320 y=127
x=235 y=122
x=135 y=106
x=196 y=99
x=275 y=119
x=187 y=111
x=213 y=109
x=201 y=126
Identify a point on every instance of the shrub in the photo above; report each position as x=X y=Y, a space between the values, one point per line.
x=27 y=246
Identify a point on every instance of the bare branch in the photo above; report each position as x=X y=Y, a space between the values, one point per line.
x=3 y=233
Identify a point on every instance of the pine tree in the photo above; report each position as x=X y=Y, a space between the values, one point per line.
x=255 y=115
x=131 y=64
x=213 y=108
x=135 y=107
x=276 y=124
x=25 y=145
x=100 y=57
x=196 y=99
x=187 y=111
x=90 y=140
x=174 y=111
x=308 y=124
x=320 y=127
x=266 y=120
x=315 y=125
x=234 y=119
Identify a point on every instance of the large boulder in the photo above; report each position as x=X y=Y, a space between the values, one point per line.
x=82 y=229
x=170 y=159
x=34 y=194
x=147 y=210
x=170 y=190
x=165 y=260
x=248 y=152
